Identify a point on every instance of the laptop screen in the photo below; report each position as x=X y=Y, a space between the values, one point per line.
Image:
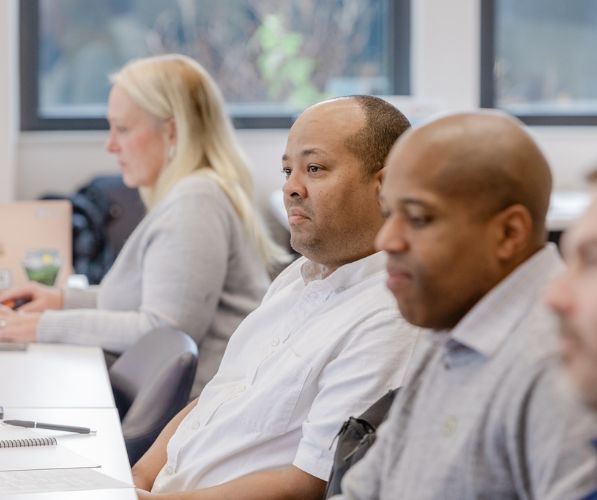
x=35 y=242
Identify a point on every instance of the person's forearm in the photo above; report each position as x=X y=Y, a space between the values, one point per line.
x=283 y=484
x=150 y=464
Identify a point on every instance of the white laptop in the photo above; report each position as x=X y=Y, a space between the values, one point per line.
x=35 y=242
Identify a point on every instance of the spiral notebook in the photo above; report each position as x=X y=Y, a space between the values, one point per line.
x=23 y=442
x=12 y=436
x=28 y=449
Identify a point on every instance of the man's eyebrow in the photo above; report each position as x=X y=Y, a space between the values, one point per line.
x=312 y=151
x=588 y=245
x=414 y=201
x=401 y=202
x=306 y=152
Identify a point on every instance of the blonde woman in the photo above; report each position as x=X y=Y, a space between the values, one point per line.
x=198 y=259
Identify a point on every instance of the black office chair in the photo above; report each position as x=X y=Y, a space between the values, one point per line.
x=105 y=213
x=151 y=382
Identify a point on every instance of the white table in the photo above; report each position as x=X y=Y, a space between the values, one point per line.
x=117 y=494
x=105 y=447
x=68 y=385
x=54 y=376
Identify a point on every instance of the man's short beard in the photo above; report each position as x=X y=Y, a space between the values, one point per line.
x=305 y=247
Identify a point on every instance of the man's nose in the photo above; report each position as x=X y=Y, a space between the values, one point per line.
x=294 y=186
x=391 y=237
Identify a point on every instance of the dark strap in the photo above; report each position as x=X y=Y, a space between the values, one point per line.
x=355 y=437
x=378 y=411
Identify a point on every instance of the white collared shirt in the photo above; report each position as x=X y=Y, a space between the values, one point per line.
x=311 y=355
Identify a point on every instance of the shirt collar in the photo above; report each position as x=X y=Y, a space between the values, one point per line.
x=487 y=325
x=347 y=275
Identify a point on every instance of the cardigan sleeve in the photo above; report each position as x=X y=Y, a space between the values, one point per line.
x=80 y=298
x=184 y=253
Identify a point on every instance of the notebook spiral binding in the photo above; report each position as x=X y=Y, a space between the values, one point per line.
x=21 y=443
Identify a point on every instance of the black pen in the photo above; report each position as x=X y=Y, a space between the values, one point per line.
x=53 y=427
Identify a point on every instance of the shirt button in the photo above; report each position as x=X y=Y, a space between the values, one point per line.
x=275 y=342
x=450 y=426
x=196 y=425
x=169 y=470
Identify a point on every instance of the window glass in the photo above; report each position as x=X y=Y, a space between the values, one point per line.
x=544 y=61
x=269 y=57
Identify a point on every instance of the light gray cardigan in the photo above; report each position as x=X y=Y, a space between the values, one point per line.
x=189 y=264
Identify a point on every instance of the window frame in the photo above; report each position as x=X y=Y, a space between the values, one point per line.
x=399 y=43
x=488 y=87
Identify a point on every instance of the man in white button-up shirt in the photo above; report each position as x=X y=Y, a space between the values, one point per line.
x=326 y=342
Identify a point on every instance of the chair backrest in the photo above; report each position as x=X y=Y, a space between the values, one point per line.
x=105 y=212
x=151 y=382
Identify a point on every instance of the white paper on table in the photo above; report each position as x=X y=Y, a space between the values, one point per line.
x=42 y=457
x=37 y=481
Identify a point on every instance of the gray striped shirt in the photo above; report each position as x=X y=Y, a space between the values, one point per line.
x=484 y=413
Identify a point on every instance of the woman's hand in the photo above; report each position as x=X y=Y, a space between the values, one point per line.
x=17 y=326
x=39 y=297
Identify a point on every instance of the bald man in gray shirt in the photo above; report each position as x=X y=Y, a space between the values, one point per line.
x=484 y=412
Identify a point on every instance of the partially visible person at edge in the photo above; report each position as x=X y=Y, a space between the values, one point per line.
x=325 y=343
x=197 y=261
x=482 y=413
x=573 y=297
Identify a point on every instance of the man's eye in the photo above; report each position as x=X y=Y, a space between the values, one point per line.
x=121 y=129
x=313 y=169
x=286 y=171
x=419 y=221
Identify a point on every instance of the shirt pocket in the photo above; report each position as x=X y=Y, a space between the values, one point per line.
x=274 y=397
x=215 y=397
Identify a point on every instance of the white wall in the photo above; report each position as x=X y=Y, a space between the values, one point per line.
x=58 y=162
x=445 y=52
x=8 y=99
x=445 y=72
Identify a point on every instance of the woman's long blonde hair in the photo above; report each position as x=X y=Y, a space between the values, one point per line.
x=177 y=87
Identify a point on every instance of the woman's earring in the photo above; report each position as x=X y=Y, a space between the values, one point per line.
x=171 y=152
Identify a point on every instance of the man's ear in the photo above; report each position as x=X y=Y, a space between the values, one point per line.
x=378 y=178
x=513 y=226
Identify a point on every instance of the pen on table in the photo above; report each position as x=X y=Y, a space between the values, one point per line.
x=53 y=427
